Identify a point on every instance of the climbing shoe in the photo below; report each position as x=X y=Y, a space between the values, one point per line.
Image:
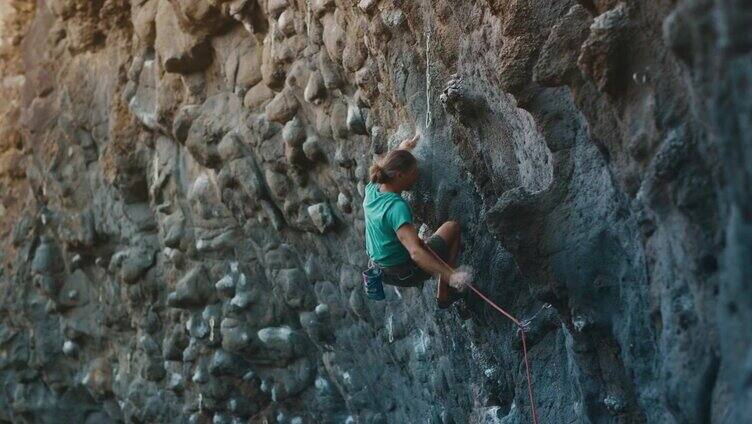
x=463 y=309
x=454 y=295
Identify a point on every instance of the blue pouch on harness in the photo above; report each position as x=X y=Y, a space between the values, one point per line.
x=372 y=283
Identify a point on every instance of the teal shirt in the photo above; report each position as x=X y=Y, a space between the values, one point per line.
x=384 y=213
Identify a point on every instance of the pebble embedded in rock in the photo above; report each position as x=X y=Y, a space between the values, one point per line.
x=282 y=108
x=312 y=149
x=322 y=217
x=70 y=348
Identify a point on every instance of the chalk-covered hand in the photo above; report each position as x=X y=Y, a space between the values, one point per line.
x=409 y=143
x=460 y=279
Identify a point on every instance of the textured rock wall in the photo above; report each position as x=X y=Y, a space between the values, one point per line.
x=183 y=232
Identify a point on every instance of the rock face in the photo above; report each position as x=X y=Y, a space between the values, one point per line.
x=182 y=231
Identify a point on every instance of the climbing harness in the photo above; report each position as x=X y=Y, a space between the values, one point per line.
x=521 y=330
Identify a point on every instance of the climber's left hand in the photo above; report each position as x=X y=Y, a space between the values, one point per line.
x=409 y=143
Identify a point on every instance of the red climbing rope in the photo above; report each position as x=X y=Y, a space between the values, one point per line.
x=521 y=330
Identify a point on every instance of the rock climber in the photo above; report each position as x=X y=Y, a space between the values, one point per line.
x=392 y=241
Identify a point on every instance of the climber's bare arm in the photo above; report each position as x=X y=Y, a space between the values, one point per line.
x=409 y=143
x=423 y=257
x=406 y=144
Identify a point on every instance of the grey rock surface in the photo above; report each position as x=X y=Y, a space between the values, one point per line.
x=182 y=232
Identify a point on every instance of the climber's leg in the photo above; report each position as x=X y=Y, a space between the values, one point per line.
x=449 y=232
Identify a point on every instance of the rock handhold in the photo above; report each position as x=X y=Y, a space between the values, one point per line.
x=153 y=369
x=236 y=335
x=47 y=258
x=292 y=380
x=358 y=304
x=190 y=353
x=317 y=325
x=322 y=311
x=329 y=71
x=201 y=17
x=286 y=23
x=343 y=159
x=273 y=70
x=173 y=344
x=283 y=341
x=202 y=144
x=315 y=90
x=602 y=56
x=379 y=143
x=339 y=112
x=312 y=149
x=320 y=7
x=295 y=157
x=276 y=7
x=257 y=96
x=183 y=120
x=98 y=377
x=179 y=51
x=458 y=100
x=298 y=75
x=70 y=348
x=226 y=363
x=283 y=107
x=174 y=230
x=242 y=300
x=557 y=62
x=393 y=18
x=242 y=406
x=367 y=5
x=355 y=121
x=293 y=133
x=354 y=55
x=193 y=290
x=230 y=147
x=615 y=404
x=344 y=203
x=322 y=217
x=226 y=285
x=248 y=69
x=680 y=33
x=197 y=327
x=200 y=374
x=296 y=289
x=176 y=383
x=132 y=263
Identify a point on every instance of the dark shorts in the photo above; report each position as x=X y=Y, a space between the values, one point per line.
x=409 y=274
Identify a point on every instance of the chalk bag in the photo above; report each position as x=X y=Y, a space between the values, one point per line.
x=372 y=283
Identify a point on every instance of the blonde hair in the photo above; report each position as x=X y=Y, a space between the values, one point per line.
x=395 y=161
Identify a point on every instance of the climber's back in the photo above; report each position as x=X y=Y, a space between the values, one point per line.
x=385 y=212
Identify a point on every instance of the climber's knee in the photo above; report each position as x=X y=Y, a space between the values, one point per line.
x=453 y=228
x=449 y=231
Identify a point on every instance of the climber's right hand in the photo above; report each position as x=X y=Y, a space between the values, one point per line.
x=459 y=279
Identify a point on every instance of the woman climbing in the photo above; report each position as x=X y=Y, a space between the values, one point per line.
x=392 y=241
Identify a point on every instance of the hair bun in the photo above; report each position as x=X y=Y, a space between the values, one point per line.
x=377 y=174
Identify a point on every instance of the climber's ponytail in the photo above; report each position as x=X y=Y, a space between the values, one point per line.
x=377 y=174
x=395 y=161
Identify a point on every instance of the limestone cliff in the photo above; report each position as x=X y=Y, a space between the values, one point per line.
x=182 y=230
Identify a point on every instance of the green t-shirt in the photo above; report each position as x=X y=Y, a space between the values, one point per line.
x=384 y=213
